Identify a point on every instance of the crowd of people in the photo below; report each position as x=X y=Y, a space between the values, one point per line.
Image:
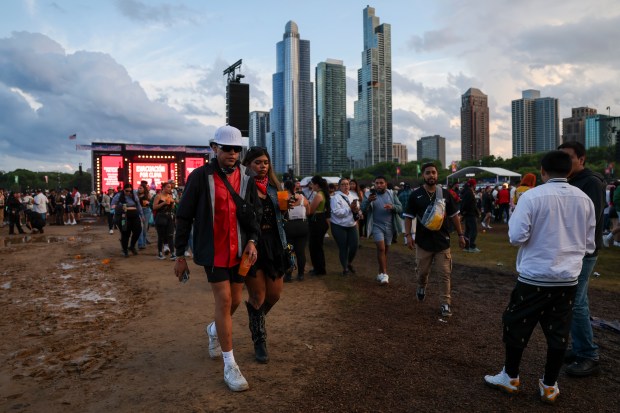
x=241 y=224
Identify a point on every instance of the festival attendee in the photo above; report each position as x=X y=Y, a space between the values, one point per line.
x=2 y=207
x=222 y=233
x=344 y=215
x=163 y=207
x=128 y=215
x=614 y=212
x=265 y=279
x=68 y=207
x=382 y=209
x=145 y=202
x=471 y=214
x=318 y=215
x=432 y=246
x=14 y=207
x=548 y=271
x=40 y=205
x=77 y=203
x=503 y=202
x=488 y=205
x=106 y=201
x=584 y=352
x=93 y=205
x=296 y=228
x=528 y=182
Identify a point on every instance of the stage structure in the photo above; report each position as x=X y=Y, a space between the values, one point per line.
x=114 y=164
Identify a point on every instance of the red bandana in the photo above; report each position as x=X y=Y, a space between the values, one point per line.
x=261 y=183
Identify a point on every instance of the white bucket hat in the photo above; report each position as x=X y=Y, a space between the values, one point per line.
x=229 y=135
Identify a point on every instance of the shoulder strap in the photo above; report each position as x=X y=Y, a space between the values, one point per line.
x=346 y=199
x=234 y=194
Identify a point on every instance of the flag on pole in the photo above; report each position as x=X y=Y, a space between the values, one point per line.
x=73 y=137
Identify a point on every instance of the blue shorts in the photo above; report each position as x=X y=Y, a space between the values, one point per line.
x=380 y=233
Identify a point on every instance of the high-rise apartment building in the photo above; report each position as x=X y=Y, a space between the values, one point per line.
x=535 y=123
x=432 y=147
x=475 y=140
x=400 y=153
x=259 y=127
x=331 y=117
x=371 y=135
x=291 y=121
x=601 y=130
x=574 y=128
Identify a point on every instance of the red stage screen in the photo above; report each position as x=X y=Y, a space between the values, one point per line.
x=109 y=171
x=191 y=164
x=153 y=173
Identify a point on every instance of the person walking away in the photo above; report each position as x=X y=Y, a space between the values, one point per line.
x=296 y=228
x=264 y=281
x=145 y=203
x=106 y=201
x=554 y=226
x=128 y=216
x=40 y=205
x=584 y=352
x=163 y=206
x=318 y=215
x=14 y=207
x=488 y=205
x=382 y=209
x=432 y=245
x=344 y=216
x=503 y=201
x=222 y=233
x=471 y=214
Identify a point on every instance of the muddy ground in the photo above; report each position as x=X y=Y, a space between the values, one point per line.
x=85 y=330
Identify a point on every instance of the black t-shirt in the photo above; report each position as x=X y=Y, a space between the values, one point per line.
x=429 y=240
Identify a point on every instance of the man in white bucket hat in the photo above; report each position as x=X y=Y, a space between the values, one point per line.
x=220 y=239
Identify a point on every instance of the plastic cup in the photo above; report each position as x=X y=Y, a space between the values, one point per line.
x=245 y=265
x=283 y=200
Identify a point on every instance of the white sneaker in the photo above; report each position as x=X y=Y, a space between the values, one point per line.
x=383 y=279
x=607 y=239
x=483 y=225
x=503 y=382
x=67 y=223
x=234 y=379
x=111 y=231
x=616 y=244
x=74 y=223
x=166 y=249
x=215 y=350
x=188 y=254
x=548 y=394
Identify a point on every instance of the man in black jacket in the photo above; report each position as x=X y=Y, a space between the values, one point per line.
x=584 y=357
x=220 y=239
x=470 y=213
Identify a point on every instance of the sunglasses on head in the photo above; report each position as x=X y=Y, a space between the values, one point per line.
x=228 y=148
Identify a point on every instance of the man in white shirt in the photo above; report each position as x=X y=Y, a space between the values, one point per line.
x=40 y=204
x=554 y=225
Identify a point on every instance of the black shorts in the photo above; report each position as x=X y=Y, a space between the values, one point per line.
x=529 y=305
x=219 y=274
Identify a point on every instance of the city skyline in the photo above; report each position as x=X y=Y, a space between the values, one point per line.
x=152 y=72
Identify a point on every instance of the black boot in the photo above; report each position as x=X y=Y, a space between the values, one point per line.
x=259 y=333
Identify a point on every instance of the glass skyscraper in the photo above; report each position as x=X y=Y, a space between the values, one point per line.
x=259 y=127
x=331 y=117
x=535 y=123
x=371 y=134
x=291 y=136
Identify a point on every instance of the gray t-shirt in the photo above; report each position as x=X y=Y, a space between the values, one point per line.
x=380 y=216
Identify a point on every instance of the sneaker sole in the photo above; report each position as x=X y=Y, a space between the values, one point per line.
x=237 y=389
x=502 y=388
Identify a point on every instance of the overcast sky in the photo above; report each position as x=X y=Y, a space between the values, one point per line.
x=151 y=71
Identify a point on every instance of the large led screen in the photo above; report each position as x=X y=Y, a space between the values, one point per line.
x=110 y=166
x=191 y=164
x=153 y=173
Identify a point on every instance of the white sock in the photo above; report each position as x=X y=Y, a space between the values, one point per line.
x=229 y=358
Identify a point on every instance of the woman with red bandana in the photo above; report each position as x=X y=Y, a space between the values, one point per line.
x=265 y=280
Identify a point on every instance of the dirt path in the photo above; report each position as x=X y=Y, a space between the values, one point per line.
x=85 y=330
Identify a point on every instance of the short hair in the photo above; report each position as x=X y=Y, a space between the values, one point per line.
x=578 y=147
x=557 y=164
x=428 y=165
x=343 y=179
x=380 y=177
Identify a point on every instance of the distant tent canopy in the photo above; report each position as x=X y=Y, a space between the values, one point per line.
x=329 y=179
x=483 y=169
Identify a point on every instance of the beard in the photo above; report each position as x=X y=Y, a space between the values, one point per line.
x=430 y=181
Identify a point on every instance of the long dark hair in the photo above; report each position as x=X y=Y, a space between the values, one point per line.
x=257 y=152
x=322 y=183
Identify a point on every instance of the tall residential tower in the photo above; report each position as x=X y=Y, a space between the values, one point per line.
x=371 y=134
x=474 y=125
x=291 y=137
x=535 y=123
x=331 y=117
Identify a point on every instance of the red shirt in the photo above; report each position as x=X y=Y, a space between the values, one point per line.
x=503 y=196
x=226 y=243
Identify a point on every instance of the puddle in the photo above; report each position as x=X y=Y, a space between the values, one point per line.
x=15 y=240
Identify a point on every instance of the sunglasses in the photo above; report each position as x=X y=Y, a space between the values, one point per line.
x=228 y=148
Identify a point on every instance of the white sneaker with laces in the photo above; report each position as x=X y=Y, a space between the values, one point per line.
x=503 y=382
x=215 y=350
x=445 y=310
x=607 y=239
x=234 y=379
x=483 y=225
x=111 y=231
x=166 y=249
x=188 y=254
x=616 y=244
x=383 y=279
